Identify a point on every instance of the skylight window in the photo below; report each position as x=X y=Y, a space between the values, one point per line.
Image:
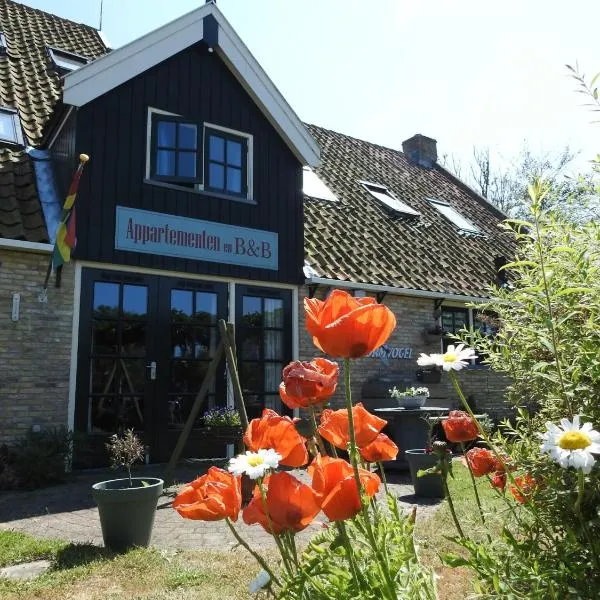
x=65 y=61
x=313 y=187
x=3 y=46
x=454 y=216
x=381 y=193
x=10 y=127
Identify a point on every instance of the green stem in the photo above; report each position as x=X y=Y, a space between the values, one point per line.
x=259 y=559
x=476 y=492
x=452 y=511
x=577 y=508
x=350 y=552
x=315 y=431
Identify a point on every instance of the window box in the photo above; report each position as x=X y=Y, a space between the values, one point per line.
x=221 y=433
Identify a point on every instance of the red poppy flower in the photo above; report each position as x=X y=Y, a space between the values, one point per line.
x=498 y=480
x=308 y=383
x=482 y=461
x=333 y=480
x=525 y=486
x=346 y=326
x=280 y=433
x=291 y=504
x=460 y=427
x=212 y=497
x=335 y=429
x=380 y=449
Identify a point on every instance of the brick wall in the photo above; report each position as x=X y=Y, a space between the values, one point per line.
x=414 y=316
x=35 y=351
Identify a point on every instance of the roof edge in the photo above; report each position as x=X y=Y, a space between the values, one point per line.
x=371 y=287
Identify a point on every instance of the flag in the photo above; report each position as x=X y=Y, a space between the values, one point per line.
x=66 y=238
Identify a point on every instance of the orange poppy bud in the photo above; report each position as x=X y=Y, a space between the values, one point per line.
x=291 y=504
x=280 y=434
x=335 y=429
x=460 y=427
x=212 y=497
x=308 y=383
x=348 y=327
x=380 y=449
x=525 y=486
x=498 y=480
x=333 y=481
x=482 y=461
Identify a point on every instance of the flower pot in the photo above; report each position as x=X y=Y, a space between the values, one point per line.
x=127 y=513
x=428 y=486
x=412 y=401
x=228 y=434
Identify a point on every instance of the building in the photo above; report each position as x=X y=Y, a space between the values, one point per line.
x=192 y=209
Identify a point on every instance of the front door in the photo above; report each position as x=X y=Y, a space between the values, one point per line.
x=145 y=343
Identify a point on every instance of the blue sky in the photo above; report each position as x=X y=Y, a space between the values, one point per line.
x=465 y=72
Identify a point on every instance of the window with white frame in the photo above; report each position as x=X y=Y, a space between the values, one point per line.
x=10 y=126
x=313 y=186
x=454 y=216
x=384 y=195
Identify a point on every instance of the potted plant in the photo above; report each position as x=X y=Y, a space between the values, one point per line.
x=427 y=464
x=127 y=506
x=222 y=424
x=411 y=397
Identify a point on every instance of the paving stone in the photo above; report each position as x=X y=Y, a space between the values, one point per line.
x=29 y=570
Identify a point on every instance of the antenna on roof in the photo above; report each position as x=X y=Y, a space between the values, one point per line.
x=101 y=6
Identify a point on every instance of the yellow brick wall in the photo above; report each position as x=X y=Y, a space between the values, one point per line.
x=35 y=351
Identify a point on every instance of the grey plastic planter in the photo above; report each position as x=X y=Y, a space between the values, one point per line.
x=127 y=513
x=428 y=486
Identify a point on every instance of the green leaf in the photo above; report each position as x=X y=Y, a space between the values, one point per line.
x=573 y=290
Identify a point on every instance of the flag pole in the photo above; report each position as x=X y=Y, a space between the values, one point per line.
x=66 y=211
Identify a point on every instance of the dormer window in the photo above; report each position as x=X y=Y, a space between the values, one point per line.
x=454 y=216
x=383 y=194
x=65 y=62
x=313 y=186
x=10 y=127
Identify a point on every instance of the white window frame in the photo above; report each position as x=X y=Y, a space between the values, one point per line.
x=16 y=122
x=55 y=57
x=383 y=190
x=436 y=203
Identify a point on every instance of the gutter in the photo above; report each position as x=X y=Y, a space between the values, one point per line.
x=370 y=287
x=24 y=246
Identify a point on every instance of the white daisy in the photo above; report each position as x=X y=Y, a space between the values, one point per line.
x=254 y=464
x=455 y=358
x=571 y=445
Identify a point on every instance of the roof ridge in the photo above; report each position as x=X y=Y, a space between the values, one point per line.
x=48 y=14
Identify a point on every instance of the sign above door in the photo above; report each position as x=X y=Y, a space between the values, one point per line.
x=169 y=235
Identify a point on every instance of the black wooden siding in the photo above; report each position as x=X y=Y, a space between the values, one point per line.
x=112 y=130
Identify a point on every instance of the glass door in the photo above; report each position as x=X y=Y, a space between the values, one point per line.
x=264 y=345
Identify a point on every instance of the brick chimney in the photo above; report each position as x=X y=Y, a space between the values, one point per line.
x=421 y=150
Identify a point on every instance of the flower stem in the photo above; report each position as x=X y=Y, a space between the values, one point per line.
x=452 y=511
x=350 y=552
x=577 y=508
x=315 y=431
x=476 y=492
x=259 y=559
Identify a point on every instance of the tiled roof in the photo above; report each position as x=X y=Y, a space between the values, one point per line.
x=358 y=239
x=30 y=83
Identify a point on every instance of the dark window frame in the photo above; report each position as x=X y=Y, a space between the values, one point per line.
x=226 y=136
x=454 y=310
x=154 y=148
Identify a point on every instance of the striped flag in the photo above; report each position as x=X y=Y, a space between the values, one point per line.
x=66 y=235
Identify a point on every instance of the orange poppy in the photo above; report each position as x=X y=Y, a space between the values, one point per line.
x=291 y=504
x=335 y=429
x=308 y=383
x=525 y=486
x=380 y=449
x=348 y=327
x=498 y=480
x=214 y=496
x=460 y=427
x=482 y=461
x=280 y=434
x=333 y=481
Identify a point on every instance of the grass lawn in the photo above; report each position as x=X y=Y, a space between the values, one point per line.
x=90 y=573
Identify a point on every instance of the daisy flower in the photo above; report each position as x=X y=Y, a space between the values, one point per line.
x=571 y=445
x=254 y=464
x=455 y=358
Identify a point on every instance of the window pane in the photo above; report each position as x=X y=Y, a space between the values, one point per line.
x=7 y=127
x=274 y=345
x=110 y=414
x=106 y=299
x=234 y=180
x=251 y=345
x=273 y=312
x=216 y=176
x=206 y=307
x=251 y=311
x=187 y=376
x=166 y=133
x=181 y=304
x=135 y=300
x=165 y=162
x=234 y=153
x=216 y=148
x=188 y=135
x=273 y=376
x=205 y=343
x=104 y=337
x=186 y=166
x=133 y=338
x=182 y=341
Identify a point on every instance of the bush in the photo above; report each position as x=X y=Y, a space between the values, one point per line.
x=37 y=460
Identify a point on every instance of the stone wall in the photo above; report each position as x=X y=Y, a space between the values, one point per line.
x=35 y=351
x=414 y=316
